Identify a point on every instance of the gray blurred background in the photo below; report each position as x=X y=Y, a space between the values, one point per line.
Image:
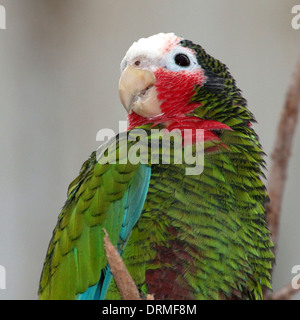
x=59 y=71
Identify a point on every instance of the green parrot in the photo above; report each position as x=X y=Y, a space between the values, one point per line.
x=182 y=234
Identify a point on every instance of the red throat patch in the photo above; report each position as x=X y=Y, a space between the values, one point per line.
x=175 y=90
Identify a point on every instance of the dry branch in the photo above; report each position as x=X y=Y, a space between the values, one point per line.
x=285 y=293
x=124 y=282
x=281 y=153
x=279 y=166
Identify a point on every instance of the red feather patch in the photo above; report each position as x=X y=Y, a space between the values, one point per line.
x=175 y=90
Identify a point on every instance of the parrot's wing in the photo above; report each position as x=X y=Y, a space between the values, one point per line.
x=109 y=196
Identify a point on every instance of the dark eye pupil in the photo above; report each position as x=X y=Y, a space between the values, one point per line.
x=182 y=60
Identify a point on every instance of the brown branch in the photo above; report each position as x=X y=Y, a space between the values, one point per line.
x=279 y=166
x=281 y=153
x=285 y=293
x=124 y=282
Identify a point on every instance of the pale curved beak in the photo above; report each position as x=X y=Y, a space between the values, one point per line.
x=137 y=91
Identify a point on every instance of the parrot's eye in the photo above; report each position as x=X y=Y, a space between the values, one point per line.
x=182 y=60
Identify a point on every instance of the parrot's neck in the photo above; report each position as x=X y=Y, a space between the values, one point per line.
x=135 y=120
x=182 y=123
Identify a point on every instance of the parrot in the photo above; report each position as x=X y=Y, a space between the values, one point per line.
x=200 y=236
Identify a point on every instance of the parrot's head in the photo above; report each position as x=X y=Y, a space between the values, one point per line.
x=166 y=79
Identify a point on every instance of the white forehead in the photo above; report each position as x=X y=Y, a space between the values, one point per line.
x=153 y=47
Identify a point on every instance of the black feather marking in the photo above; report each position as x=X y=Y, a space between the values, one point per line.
x=213 y=82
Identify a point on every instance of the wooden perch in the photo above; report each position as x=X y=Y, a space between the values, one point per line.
x=281 y=153
x=123 y=279
x=279 y=166
x=285 y=293
x=124 y=282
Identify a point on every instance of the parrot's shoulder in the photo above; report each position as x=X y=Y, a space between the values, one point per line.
x=86 y=168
